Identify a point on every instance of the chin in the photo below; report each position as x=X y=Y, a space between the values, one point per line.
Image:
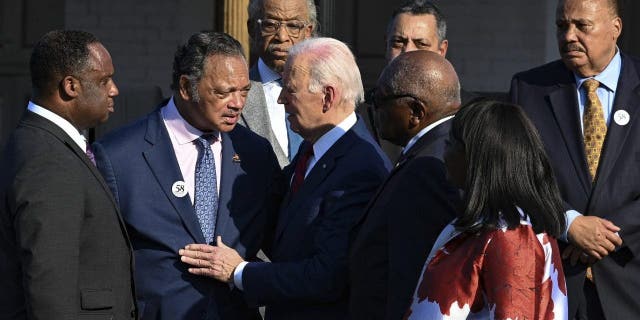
x=226 y=127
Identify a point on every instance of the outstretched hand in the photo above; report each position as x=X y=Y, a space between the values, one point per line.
x=217 y=261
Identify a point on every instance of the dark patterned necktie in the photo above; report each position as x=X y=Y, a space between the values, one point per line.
x=90 y=154
x=206 y=188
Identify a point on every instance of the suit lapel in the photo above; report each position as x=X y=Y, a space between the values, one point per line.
x=255 y=115
x=627 y=99
x=320 y=171
x=163 y=163
x=36 y=120
x=564 y=104
x=231 y=168
x=426 y=141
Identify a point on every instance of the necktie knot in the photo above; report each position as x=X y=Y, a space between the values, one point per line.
x=591 y=85
x=206 y=139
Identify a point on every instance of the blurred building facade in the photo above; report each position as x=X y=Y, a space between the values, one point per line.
x=488 y=40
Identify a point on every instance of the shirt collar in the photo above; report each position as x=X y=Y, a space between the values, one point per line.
x=59 y=121
x=322 y=145
x=182 y=131
x=423 y=132
x=609 y=76
x=266 y=74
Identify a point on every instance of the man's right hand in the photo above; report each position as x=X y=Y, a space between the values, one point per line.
x=596 y=237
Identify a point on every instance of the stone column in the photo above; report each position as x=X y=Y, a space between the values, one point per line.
x=235 y=21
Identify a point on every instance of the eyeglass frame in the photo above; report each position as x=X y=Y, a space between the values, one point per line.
x=279 y=24
x=371 y=98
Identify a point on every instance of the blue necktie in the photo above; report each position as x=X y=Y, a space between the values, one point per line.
x=206 y=193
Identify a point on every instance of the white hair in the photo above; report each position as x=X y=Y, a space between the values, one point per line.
x=332 y=63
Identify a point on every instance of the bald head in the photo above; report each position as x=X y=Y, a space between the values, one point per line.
x=415 y=90
x=427 y=76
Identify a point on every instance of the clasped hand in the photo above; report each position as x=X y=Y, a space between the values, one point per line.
x=592 y=238
x=217 y=261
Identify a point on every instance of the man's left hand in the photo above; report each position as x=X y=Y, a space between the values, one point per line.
x=217 y=262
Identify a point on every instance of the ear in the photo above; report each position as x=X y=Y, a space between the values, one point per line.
x=184 y=88
x=617 y=27
x=250 y=27
x=417 y=113
x=329 y=98
x=442 y=48
x=308 y=31
x=71 y=86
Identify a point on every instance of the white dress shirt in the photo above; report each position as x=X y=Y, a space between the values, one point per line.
x=65 y=125
x=272 y=87
x=423 y=132
x=327 y=140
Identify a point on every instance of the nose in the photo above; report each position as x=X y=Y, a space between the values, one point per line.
x=237 y=100
x=409 y=46
x=281 y=32
x=567 y=33
x=114 y=90
x=281 y=98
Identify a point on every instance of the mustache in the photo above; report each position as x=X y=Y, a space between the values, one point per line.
x=572 y=47
x=275 y=47
x=233 y=113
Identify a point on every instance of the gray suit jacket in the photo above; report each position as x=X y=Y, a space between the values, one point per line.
x=256 y=117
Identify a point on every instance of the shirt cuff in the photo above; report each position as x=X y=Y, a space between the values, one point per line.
x=237 y=275
x=570 y=215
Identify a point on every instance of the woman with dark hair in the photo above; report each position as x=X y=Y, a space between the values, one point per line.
x=499 y=259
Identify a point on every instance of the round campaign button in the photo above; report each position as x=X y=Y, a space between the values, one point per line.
x=621 y=117
x=179 y=189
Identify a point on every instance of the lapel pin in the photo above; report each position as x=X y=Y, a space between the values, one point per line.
x=621 y=117
x=236 y=158
x=179 y=189
x=324 y=166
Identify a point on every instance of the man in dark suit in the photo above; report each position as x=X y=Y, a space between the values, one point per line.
x=336 y=172
x=414 y=25
x=185 y=174
x=415 y=99
x=274 y=26
x=64 y=250
x=585 y=107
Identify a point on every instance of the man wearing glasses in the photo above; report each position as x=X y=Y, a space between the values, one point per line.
x=274 y=26
x=414 y=101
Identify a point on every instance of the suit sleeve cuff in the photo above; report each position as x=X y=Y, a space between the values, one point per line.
x=570 y=215
x=237 y=275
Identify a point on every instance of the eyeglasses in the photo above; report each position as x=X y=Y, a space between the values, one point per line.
x=270 y=26
x=377 y=100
